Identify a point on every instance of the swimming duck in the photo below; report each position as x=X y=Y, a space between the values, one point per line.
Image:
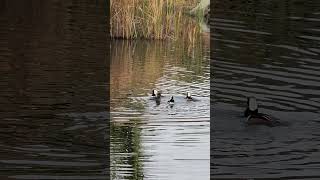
x=189 y=98
x=156 y=94
x=171 y=101
x=256 y=118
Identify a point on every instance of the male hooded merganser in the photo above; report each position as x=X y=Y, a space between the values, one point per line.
x=256 y=118
x=189 y=98
x=155 y=94
x=171 y=101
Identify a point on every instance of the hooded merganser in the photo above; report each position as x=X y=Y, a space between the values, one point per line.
x=155 y=94
x=252 y=106
x=171 y=101
x=189 y=98
x=256 y=118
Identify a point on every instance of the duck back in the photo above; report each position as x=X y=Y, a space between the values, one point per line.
x=262 y=119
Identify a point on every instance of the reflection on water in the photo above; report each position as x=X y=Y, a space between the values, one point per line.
x=150 y=140
x=53 y=90
x=270 y=50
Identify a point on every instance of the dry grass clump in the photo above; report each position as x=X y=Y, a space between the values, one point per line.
x=148 y=19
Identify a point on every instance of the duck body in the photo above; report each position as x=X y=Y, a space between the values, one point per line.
x=189 y=98
x=261 y=119
x=256 y=118
x=171 y=101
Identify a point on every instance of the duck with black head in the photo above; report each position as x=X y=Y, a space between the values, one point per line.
x=256 y=118
x=171 y=102
x=190 y=98
x=155 y=94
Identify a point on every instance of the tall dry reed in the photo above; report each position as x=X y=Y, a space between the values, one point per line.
x=149 y=19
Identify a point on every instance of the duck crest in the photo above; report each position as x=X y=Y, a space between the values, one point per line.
x=156 y=93
x=252 y=103
x=252 y=106
x=188 y=96
x=254 y=117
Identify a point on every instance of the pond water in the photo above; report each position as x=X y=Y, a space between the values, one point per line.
x=53 y=90
x=156 y=141
x=271 y=50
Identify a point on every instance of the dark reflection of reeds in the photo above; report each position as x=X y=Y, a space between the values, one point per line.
x=134 y=66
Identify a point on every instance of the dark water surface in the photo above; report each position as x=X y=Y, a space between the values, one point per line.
x=53 y=90
x=271 y=50
x=150 y=140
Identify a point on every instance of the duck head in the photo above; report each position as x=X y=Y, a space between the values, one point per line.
x=154 y=92
x=188 y=95
x=252 y=106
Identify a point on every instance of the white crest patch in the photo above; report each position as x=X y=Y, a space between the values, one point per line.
x=253 y=105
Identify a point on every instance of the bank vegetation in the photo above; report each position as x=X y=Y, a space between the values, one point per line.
x=152 y=19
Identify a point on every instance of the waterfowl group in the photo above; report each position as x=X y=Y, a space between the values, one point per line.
x=251 y=113
x=256 y=118
x=156 y=95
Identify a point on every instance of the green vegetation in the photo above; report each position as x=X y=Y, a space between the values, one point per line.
x=127 y=150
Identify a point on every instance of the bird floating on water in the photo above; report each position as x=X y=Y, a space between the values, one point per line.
x=156 y=94
x=190 y=98
x=171 y=101
x=256 y=118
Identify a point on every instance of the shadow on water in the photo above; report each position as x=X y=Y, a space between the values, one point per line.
x=53 y=90
x=152 y=140
x=267 y=49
